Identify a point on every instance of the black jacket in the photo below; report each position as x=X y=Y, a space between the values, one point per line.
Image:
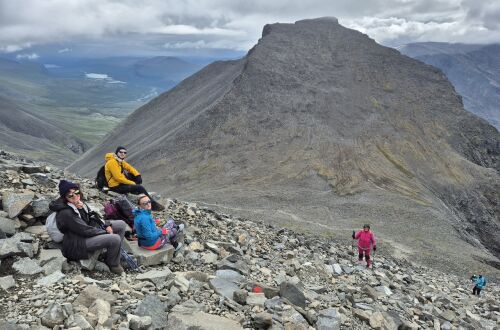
x=75 y=229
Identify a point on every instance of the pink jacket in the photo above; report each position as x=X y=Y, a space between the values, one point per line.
x=366 y=239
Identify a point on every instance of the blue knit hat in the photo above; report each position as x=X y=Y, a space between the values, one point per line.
x=65 y=186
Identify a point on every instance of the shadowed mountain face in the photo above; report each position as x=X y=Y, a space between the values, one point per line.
x=474 y=70
x=23 y=131
x=321 y=129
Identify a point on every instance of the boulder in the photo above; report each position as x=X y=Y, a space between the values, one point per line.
x=149 y=258
x=292 y=292
x=262 y=320
x=200 y=321
x=7 y=282
x=328 y=319
x=27 y=266
x=223 y=287
x=53 y=315
x=138 y=323
x=78 y=321
x=156 y=276
x=21 y=244
x=92 y=293
x=101 y=309
x=15 y=202
x=256 y=299
x=37 y=230
x=51 y=279
x=152 y=306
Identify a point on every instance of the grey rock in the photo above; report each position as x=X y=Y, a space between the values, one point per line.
x=8 y=226
x=21 y=244
x=328 y=319
x=337 y=269
x=262 y=320
x=292 y=292
x=240 y=296
x=152 y=306
x=200 y=321
x=223 y=287
x=78 y=320
x=256 y=299
x=36 y=230
x=157 y=277
x=229 y=275
x=189 y=307
x=90 y=294
x=139 y=323
x=101 y=309
x=51 y=279
x=53 y=265
x=238 y=266
x=30 y=169
x=27 y=266
x=7 y=282
x=40 y=207
x=53 y=315
x=15 y=202
x=149 y=258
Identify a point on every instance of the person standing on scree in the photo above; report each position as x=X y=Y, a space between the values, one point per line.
x=123 y=178
x=366 y=240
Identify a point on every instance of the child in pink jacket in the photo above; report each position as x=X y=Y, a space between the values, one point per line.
x=366 y=240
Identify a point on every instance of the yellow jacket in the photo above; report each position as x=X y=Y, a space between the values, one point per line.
x=114 y=171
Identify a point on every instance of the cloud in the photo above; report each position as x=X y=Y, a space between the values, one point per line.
x=64 y=50
x=237 y=24
x=31 y=56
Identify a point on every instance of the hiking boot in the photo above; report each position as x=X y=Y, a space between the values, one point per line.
x=118 y=270
x=155 y=206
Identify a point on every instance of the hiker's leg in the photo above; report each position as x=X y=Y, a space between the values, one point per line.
x=134 y=189
x=119 y=227
x=110 y=242
x=367 y=258
x=360 y=254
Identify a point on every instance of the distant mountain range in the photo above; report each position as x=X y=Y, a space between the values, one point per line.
x=80 y=99
x=319 y=128
x=474 y=70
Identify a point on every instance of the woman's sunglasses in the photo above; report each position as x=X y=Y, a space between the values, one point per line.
x=122 y=152
x=76 y=192
x=146 y=203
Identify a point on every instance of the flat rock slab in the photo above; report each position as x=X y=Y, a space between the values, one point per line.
x=149 y=258
x=157 y=277
x=48 y=254
x=90 y=294
x=27 y=266
x=7 y=282
x=223 y=287
x=8 y=226
x=292 y=292
x=21 y=244
x=36 y=230
x=51 y=279
x=152 y=306
x=200 y=321
x=14 y=202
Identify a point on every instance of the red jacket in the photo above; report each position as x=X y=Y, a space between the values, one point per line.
x=366 y=239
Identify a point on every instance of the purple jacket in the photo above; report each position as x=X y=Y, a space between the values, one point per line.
x=366 y=239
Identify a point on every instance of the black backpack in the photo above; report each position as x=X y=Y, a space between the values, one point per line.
x=100 y=179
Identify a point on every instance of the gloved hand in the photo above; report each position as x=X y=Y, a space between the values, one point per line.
x=157 y=221
x=138 y=179
x=353 y=234
x=374 y=248
x=164 y=231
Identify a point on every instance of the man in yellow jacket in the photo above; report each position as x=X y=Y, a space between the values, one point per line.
x=123 y=178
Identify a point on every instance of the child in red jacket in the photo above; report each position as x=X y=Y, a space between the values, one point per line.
x=366 y=240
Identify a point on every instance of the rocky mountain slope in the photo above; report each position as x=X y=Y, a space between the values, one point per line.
x=321 y=129
x=474 y=70
x=232 y=273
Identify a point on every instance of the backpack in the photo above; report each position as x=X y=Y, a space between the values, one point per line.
x=51 y=226
x=120 y=209
x=100 y=179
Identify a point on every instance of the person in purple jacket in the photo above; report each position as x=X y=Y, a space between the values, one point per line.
x=366 y=240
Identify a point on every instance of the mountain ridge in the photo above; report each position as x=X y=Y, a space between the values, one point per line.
x=320 y=125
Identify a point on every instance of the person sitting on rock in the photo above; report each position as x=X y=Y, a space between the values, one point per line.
x=479 y=284
x=84 y=232
x=149 y=236
x=123 y=178
x=366 y=240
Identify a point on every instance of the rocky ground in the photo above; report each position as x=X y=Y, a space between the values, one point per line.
x=231 y=273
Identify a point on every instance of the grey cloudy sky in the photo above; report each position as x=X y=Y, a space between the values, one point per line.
x=170 y=25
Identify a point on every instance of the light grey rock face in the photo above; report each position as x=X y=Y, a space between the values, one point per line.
x=91 y=293
x=323 y=101
x=21 y=244
x=202 y=321
x=40 y=207
x=8 y=226
x=223 y=287
x=152 y=306
x=14 y=202
x=27 y=266
x=139 y=323
x=7 y=282
x=328 y=319
x=149 y=258
x=51 y=279
x=157 y=277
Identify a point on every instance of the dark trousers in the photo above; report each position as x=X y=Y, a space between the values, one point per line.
x=476 y=291
x=111 y=242
x=134 y=189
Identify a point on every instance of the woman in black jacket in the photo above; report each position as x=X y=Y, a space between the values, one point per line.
x=83 y=231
